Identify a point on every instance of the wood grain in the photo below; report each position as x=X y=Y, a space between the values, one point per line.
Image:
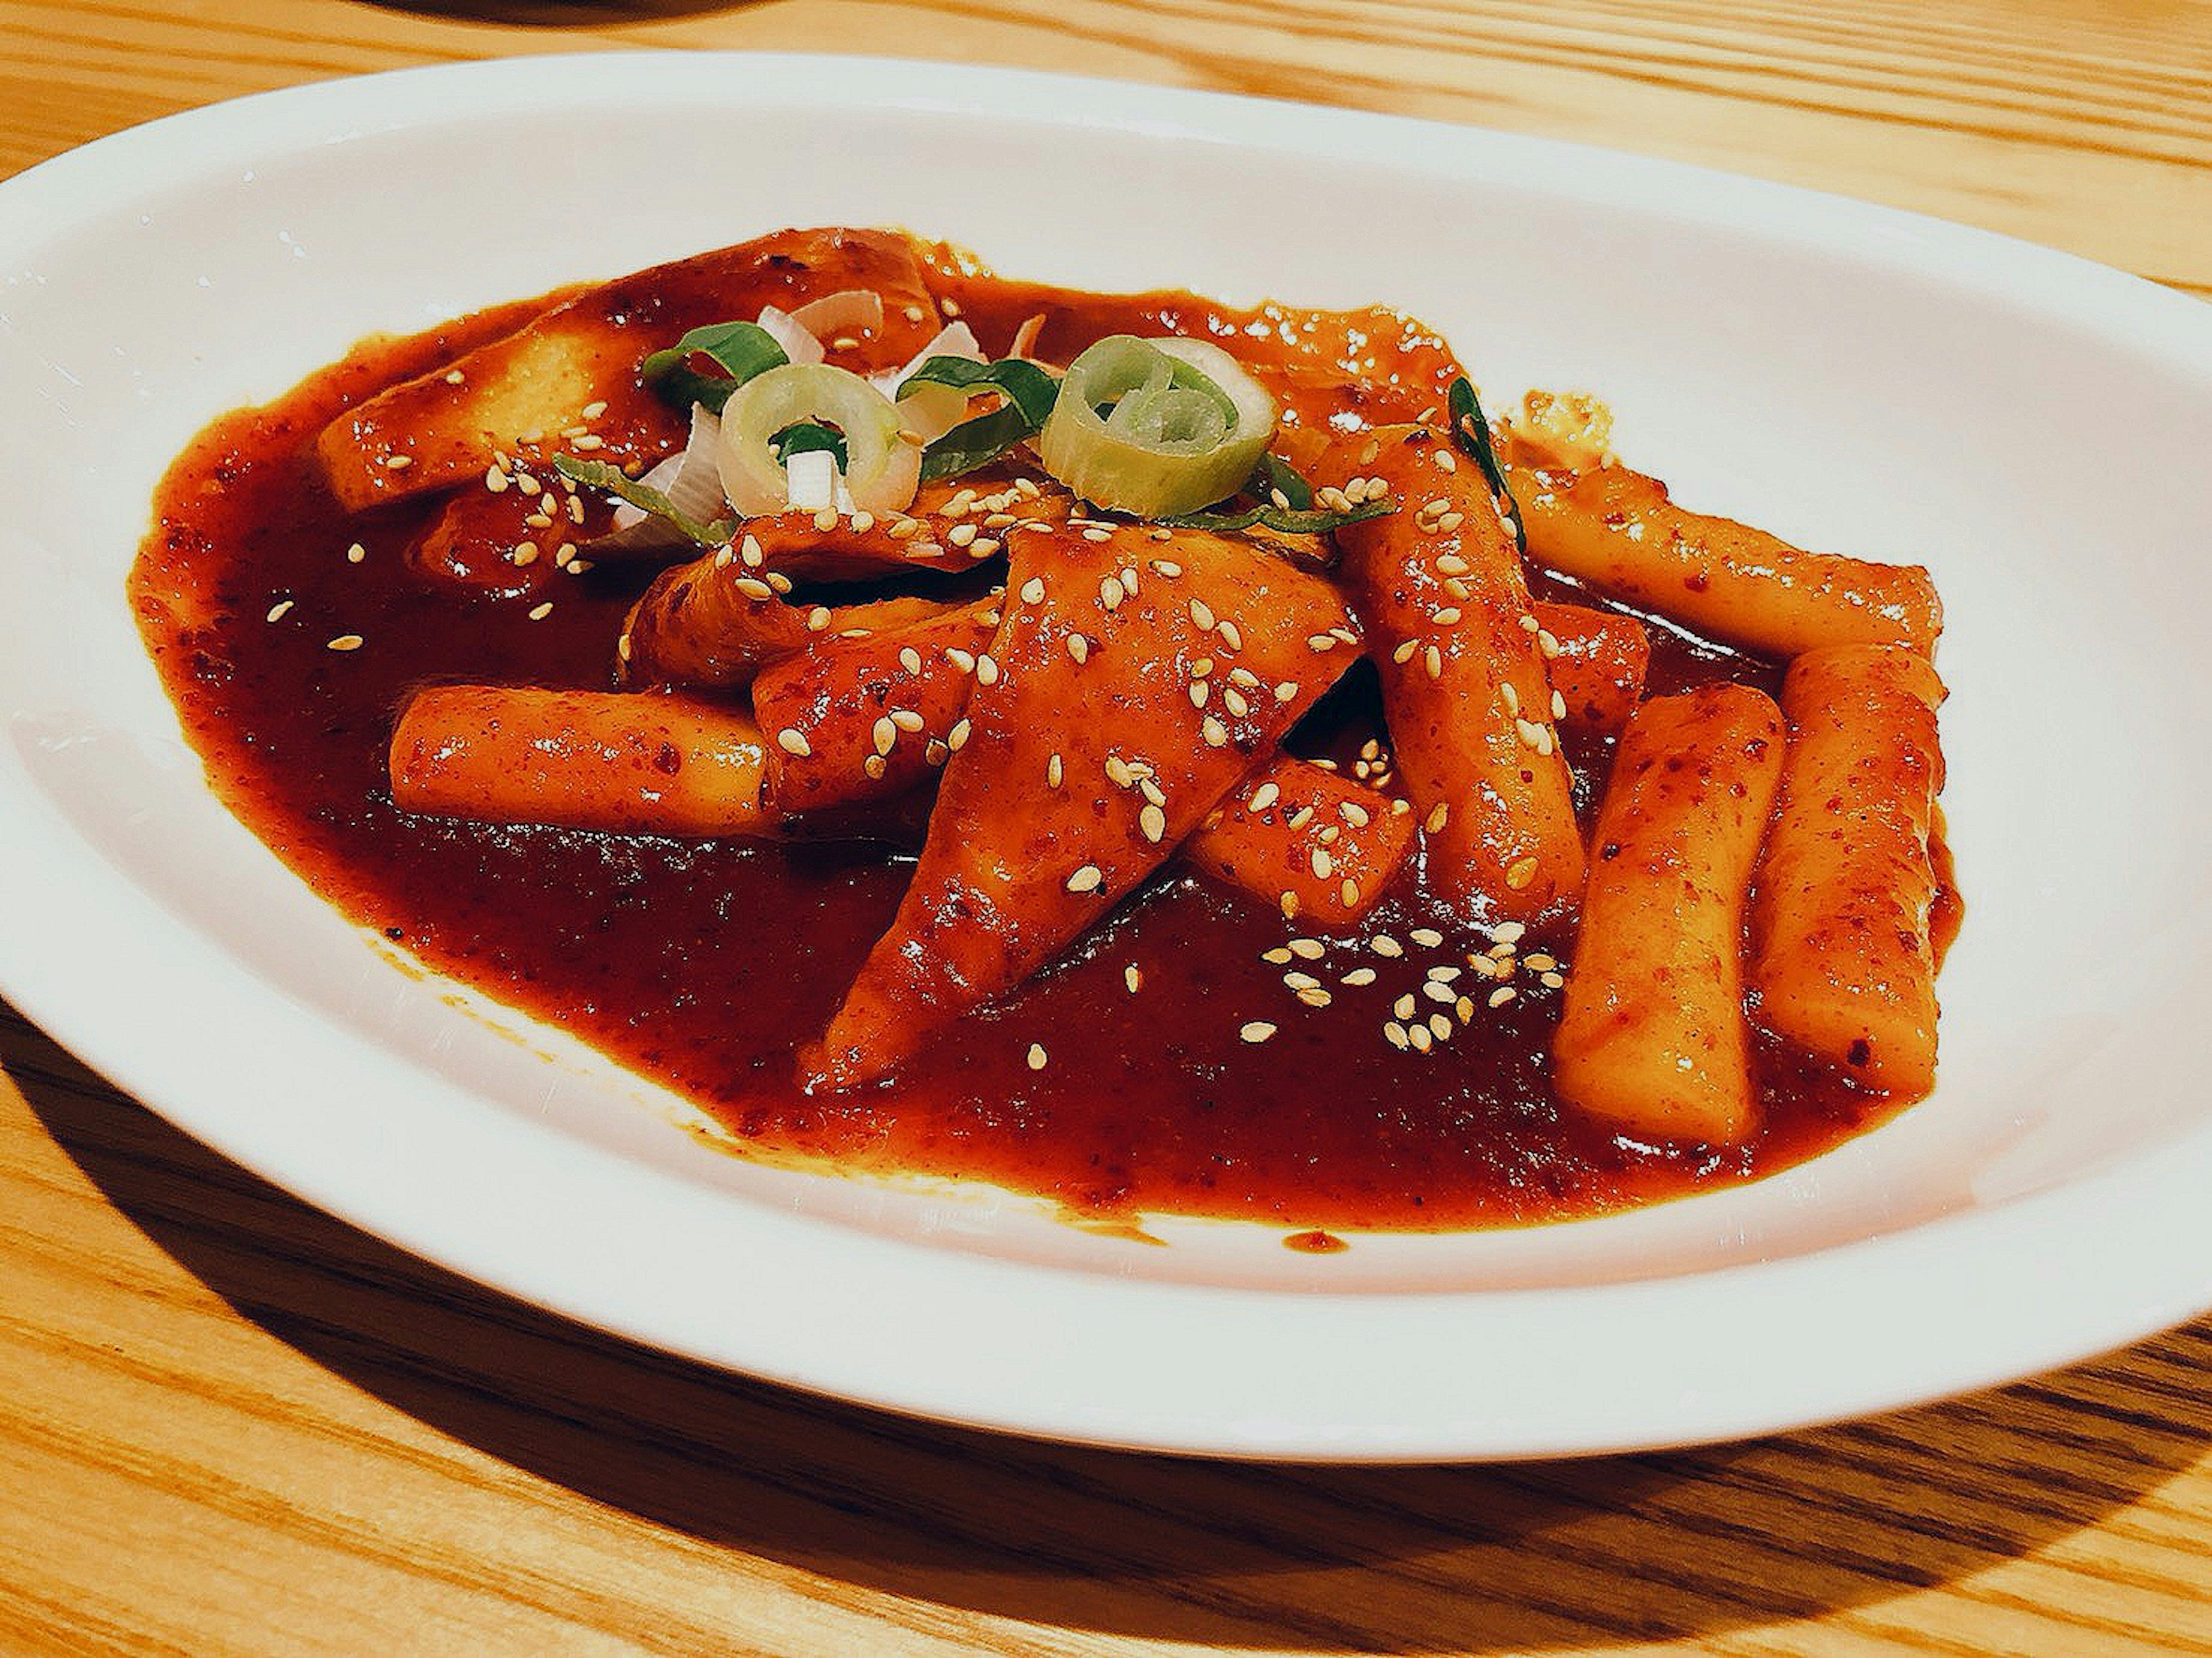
x=229 y=1424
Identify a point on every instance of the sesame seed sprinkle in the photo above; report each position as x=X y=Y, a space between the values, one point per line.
x=539 y=612
x=1037 y=1057
x=345 y=642
x=1089 y=878
x=792 y=740
x=1256 y=1031
x=279 y=609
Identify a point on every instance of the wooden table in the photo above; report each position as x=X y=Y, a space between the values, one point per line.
x=230 y=1424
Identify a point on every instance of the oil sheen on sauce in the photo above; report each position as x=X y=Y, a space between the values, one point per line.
x=704 y=965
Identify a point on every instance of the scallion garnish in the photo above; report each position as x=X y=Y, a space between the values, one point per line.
x=1285 y=522
x=807 y=437
x=1470 y=431
x=1276 y=476
x=1157 y=427
x=742 y=349
x=598 y=475
x=1029 y=392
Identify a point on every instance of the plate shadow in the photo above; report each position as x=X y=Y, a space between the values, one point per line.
x=1547 y=1555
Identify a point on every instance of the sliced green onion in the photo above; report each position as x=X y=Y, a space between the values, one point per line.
x=1276 y=476
x=1286 y=521
x=807 y=436
x=1029 y=392
x=1156 y=428
x=1470 y=431
x=742 y=349
x=598 y=475
x=882 y=469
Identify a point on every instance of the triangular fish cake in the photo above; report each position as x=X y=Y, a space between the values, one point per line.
x=1131 y=685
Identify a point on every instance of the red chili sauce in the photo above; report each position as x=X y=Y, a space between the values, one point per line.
x=705 y=965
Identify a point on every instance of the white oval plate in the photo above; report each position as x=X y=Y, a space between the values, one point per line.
x=2031 y=427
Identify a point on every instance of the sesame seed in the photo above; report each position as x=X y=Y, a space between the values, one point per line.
x=1230 y=635
x=398 y=463
x=1037 y=1056
x=1510 y=932
x=1153 y=821
x=1322 y=643
x=1538 y=962
x=875 y=766
x=1359 y=976
x=754 y=588
x=1395 y=1033
x=792 y=740
x=778 y=582
x=964 y=660
x=1348 y=893
x=1098 y=535
x=1502 y=995
x=987 y=671
x=1110 y=593
x=748 y=551
x=956 y=738
x=1419 y=1036
x=454 y=377
x=1529 y=625
x=345 y=642
x=915 y=313
x=1383 y=944
x=1558 y=705
x=1133 y=978
x=1438 y=816
x=884 y=734
x=623 y=649
x=1404 y=654
x=1167 y=568
x=589 y=441
x=1551 y=982
x=1404 y=1006
x=1520 y=874
x=1448 y=617
x=1079 y=648
x=1287 y=691
x=1089 y=878
x=495 y=480
x=1215 y=733
x=1301 y=981
x=1033 y=590
x=1441 y=1025
x=1199 y=693
x=1315 y=997
x=1289 y=905
x=1546 y=647
x=1279 y=956
x=1433 y=660
x=1257 y=1031
x=279 y=609
x=1202 y=616
x=817 y=619
x=538 y=613
x=1233 y=700
x=1510 y=697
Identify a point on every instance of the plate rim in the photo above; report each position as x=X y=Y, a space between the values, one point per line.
x=72 y=994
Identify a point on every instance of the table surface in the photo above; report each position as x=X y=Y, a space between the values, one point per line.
x=228 y=1422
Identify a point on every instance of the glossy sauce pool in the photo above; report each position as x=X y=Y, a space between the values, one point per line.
x=704 y=965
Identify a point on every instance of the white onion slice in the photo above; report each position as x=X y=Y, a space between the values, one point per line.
x=847 y=311
x=692 y=481
x=798 y=341
x=931 y=411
